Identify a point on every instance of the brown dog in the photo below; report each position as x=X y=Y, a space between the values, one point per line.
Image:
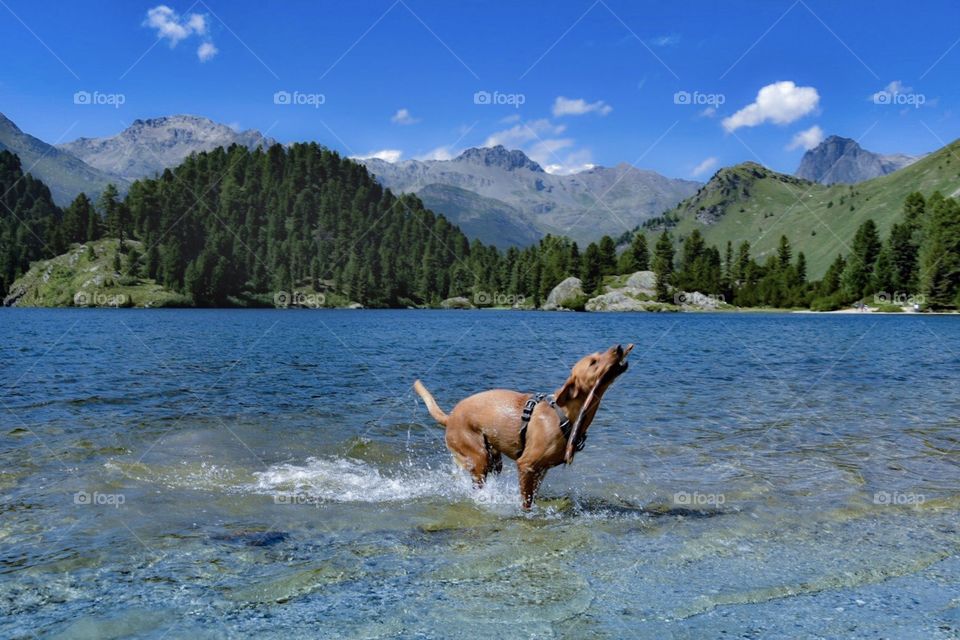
x=487 y=424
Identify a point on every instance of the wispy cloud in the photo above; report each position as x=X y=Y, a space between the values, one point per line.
x=387 y=155
x=781 y=103
x=577 y=107
x=440 y=153
x=667 y=40
x=545 y=143
x=893 y=88
x=524 y=132
x=707 y=165
x=403 y=117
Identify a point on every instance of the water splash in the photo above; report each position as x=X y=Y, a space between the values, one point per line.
x=345 y=480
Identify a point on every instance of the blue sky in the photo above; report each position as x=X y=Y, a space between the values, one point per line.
x=573 y=83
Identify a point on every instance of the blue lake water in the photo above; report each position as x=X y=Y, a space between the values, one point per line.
x=207 y=474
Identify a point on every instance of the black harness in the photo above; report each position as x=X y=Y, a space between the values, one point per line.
x=565 y=424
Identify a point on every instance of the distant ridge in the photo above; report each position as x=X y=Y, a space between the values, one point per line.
x=65 y=174
x=149 y=146
x=493 y=191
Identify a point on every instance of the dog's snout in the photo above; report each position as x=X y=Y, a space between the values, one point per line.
x=619 y=350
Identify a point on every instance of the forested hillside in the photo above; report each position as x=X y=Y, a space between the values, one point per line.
x=750 y=202
x=233 y=222
x=235 y=226
x=29 y=221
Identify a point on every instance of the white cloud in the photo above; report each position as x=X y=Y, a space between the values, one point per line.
x=545 y=151
x=807 y=139
x=523 y=133
x=708 y=112
x=552 y=162
x=174 y=28
x=198 y=23
x=387 y=155
x=403 y=116
x=707 y=165
x=542 y=141
x=440 y=153
x=781 y=103
x=577 y=107
x=206 y=51
x=170 y=26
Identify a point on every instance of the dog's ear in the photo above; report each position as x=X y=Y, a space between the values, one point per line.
x=568 y=392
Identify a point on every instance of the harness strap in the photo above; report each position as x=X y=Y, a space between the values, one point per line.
x=565 y=424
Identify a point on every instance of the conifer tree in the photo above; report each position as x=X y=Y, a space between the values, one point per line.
x=663 y=266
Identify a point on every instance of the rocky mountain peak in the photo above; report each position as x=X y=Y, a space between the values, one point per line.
x=499 y=156
x=839 y=159
x=167 y=140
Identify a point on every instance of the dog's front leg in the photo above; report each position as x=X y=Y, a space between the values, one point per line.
x=530 y=479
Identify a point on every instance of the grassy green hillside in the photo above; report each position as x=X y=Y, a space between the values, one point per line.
x=750 y=202
x=85 y=277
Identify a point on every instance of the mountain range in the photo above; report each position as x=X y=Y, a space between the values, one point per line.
x=65 y=174
x=842 y=160
x=144 y=148
x=504 y=198
x=150 y=146
x=748 y=202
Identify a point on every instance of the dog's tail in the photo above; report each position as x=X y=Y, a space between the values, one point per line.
x=432 y=405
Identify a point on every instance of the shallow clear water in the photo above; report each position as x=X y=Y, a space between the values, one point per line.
x=228 y=473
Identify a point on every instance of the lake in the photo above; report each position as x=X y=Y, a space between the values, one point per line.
x=207 y=474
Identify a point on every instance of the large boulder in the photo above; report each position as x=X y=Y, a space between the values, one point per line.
x=458 y=302
x=566 y=295
x=620 y=301
x=643 y=282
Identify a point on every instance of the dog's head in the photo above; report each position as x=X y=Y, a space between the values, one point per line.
x=588 y=381
x=594 y=373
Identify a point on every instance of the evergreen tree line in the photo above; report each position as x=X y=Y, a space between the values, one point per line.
x=234 y=223
x=918 y=263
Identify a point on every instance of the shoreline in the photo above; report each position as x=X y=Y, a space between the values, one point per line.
x=740 y=310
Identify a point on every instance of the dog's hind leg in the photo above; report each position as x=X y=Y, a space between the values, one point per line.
x=470 y=452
